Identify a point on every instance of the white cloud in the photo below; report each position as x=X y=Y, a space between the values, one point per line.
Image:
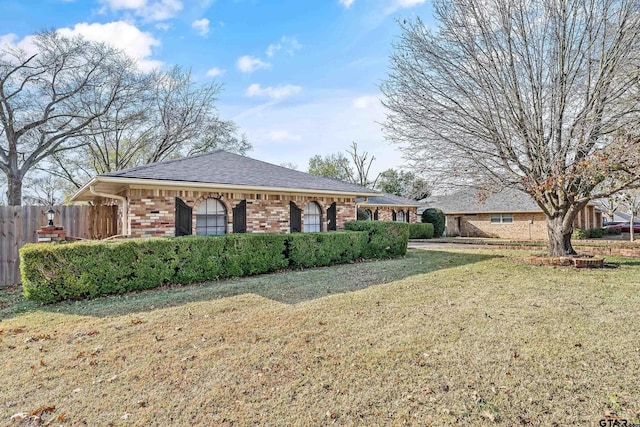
x=283 y=135
x=122 y=35
x=346 y=3
x=202 y=26
x=364 y=102
x=288 y=44
x=409 y=3
x=325 y=122
x=403 y=4
x=164 y=26
x=152 y=10
x=277 y=92
x=215 y=72
x=249 y=64
x=272 y=49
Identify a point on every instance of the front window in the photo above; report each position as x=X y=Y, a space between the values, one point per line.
x=312 y=217
x=369 y=214
x=211 y=218
x=501 y=218
x=400 y=216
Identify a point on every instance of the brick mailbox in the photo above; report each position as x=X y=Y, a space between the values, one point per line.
x=50 y=233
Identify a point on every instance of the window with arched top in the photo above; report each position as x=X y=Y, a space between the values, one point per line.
x=369 y=214
x=211 y=218
x=312 y=217
x=400 y=216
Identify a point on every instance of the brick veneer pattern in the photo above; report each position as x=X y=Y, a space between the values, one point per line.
x=152 y=212
x=385 y=213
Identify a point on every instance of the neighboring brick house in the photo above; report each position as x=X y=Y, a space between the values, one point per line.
x=389 y=207
x=509 y=214
x=221 y=192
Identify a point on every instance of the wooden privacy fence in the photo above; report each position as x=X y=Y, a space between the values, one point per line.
x=20 y=224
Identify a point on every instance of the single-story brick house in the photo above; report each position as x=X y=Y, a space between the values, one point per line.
x=389 y=207
x=220 y=192
x=509 y=214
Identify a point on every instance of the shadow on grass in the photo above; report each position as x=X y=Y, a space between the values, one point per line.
x=289 y=287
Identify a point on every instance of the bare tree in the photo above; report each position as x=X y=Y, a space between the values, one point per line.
x=631 y=200
x=43 y=190
x=362 y=163
x=49 y=99
x=167 y=116
x=532 y=95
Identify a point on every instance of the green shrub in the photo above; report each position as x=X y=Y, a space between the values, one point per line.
x=385 y=239
x=421 y=231
x=320 y=249
x=435 y=217
x=614 y=231
x=595 y=233
x=579 y=234
x=591 y=233
x=52 y=272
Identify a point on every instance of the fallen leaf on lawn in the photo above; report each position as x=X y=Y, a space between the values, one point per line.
x=61 y=417
x=136 y=321
x=43 y=409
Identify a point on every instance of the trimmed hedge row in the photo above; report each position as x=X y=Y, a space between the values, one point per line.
x=386 y=239
x=55 y=272
x=421 y=231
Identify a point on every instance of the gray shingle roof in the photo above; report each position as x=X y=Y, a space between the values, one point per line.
x=467 y=201
x=221 y=167
x=387 y=199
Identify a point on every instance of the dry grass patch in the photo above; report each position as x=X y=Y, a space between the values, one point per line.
x=467 y=338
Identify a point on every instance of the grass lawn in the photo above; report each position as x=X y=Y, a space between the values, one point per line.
x=462 y=337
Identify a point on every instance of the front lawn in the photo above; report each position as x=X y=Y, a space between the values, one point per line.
x=466 y=337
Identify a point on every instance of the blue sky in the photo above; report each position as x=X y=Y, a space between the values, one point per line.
x=300 y=77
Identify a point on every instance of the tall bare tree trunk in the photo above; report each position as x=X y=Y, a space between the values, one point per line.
x=560 y=230
x=14 y=190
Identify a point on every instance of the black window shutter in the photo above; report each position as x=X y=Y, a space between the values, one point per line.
x=182 y=218
x=375 y=215
x=331 y=217
x=393 y=216
x=408 y=215
x=240 y=217
x=295 y=222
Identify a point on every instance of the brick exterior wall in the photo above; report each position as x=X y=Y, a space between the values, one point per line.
x=152 y=211
x=385 y=213
x=525 y=226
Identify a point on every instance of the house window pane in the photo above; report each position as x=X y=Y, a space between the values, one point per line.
x=211 y=218
x=369 y=214
x=312 y=217
x=501 y=218
x=400 y=216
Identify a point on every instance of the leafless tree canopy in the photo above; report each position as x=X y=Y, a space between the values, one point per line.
x=167 y=116
x=49 y=99
x=541 y=96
